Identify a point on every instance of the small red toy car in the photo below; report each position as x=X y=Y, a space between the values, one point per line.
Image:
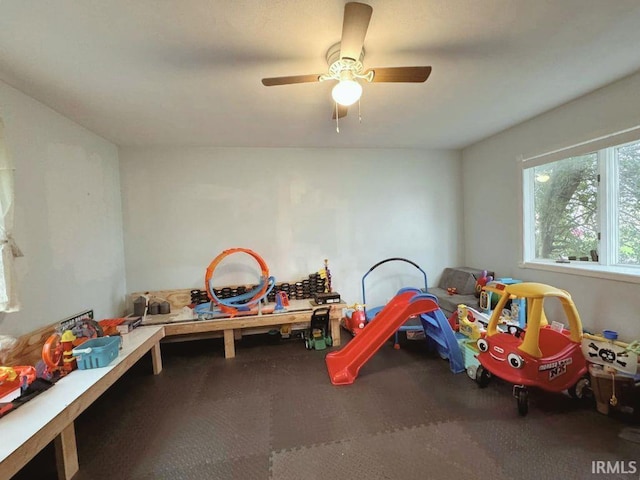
x=355 y=320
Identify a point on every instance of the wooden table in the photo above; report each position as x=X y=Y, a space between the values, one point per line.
x=299 y=312
x=50 y=415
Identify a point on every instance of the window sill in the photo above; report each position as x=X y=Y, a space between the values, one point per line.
x=621 y=274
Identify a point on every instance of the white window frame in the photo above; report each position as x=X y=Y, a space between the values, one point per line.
x=9 y=301
x=607 y=210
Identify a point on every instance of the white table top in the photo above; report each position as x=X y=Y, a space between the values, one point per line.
x=20 y=425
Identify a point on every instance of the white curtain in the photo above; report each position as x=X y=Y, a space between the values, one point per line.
x=8 y=248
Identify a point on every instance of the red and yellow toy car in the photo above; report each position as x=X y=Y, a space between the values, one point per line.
x=543 y=356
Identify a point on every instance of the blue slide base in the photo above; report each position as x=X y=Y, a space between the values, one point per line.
x=441 y=337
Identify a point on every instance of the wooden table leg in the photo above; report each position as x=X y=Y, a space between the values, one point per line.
x=229 y=345
x=335 y=331
x=66 y=453
x=156 y=358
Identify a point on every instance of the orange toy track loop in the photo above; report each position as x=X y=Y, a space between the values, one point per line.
x=212 y=266
x=52 y=352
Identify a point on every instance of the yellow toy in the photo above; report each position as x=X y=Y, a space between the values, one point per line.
x=7 y=374
x=470 y=322
x=467 y=327
x=325 y=274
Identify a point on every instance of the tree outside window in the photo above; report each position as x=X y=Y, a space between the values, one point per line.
x=565 y=208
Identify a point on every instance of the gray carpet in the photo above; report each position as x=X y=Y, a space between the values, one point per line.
x=272 y=413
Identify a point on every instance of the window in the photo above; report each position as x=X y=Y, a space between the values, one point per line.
x=4 y=298
x=8 y=248
x=581 y=206
x=628 y=203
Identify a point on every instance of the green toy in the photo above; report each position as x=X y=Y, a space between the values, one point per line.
x=318 y=337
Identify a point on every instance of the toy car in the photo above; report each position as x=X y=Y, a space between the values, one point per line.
x=543 y=356
x=355 y=319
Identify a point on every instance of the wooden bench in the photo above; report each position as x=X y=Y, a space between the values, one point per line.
x=298 y=315
x=51 y=415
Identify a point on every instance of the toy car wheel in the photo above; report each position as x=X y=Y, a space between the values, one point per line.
x=472 y=371
x=523 y=402
x=581 y=390
x=483 y=376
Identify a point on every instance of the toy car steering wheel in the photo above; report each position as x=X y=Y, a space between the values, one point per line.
x=515 y=330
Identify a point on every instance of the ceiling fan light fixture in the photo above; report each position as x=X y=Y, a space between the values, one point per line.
x=347 y=92
x=345 y=63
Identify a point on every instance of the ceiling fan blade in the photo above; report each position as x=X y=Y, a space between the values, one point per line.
x=400 y=74
x=270 y=82
x=342 y=111
x=354 y=28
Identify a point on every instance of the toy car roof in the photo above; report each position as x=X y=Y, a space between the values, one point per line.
x=536 y=290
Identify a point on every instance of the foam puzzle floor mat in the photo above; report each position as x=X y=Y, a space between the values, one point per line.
x=272 y=413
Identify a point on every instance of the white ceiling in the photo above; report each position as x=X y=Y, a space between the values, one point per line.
x=187 y=72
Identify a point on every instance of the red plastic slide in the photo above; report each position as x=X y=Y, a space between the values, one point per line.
x=345 y=364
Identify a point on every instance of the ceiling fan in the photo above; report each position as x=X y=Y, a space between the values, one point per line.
x=345 y=63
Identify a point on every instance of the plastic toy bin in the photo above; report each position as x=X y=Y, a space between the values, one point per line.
x=97 y=352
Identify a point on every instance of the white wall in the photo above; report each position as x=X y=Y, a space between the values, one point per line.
x=294 y=207
x=491 y=208
x=68 y=216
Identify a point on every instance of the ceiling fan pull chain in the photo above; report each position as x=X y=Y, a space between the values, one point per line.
x=337 y=119
x=359 y=114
